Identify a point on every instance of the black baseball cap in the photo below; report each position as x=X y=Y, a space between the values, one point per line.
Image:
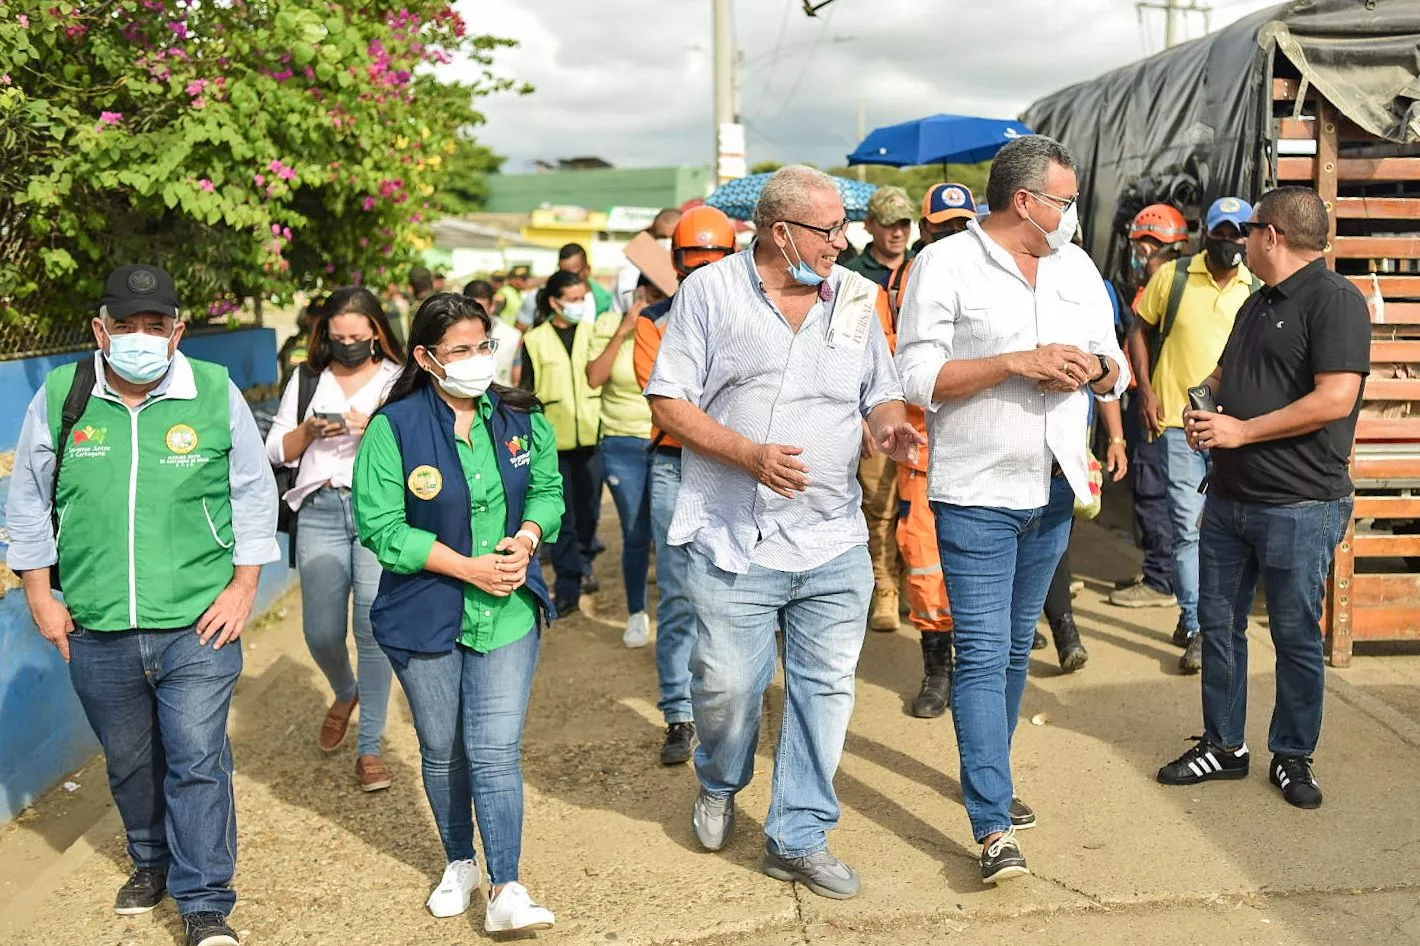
x=137 y=289
x=520 y=272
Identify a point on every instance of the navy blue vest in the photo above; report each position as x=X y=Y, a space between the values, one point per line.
x=423 y=613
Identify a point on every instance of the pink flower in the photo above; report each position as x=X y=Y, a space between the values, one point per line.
x=5 y=79
x=196 y=86
x=276 y=229
x=75 y=31
x=260 y=180
x=206 y=185
x=110 y=118
x=364 y=242
x=286 y=232
x=369 y=204
x=330 y=267
x=199 y=102
x=180 y=29
x=24 y=21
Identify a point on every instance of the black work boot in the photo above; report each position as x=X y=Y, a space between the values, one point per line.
x=1068 y=648
x=936 y=693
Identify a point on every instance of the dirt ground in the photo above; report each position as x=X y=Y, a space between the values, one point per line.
x=1117 y=858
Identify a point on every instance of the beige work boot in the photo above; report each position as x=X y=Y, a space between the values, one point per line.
x=884 y=616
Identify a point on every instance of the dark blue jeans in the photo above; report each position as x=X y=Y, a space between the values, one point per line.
x=1148 y=473
x=998 y=563
x=1291 y=549
x=572 y=553
x=158 y=702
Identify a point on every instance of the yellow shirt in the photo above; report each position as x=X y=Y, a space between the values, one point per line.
x=625 y=410
x=1200 y=329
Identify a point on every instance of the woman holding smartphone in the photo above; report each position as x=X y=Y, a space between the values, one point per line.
x=456 y=486
x=353 y=361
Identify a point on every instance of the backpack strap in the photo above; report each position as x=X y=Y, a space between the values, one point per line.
x=305 y=390
x=895 y=283
x=1161 y=331
x=81 y=388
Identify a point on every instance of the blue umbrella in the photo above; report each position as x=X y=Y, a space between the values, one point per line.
x=941 y=139
x=738 y=197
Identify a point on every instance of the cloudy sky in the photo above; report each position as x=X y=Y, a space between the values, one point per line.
x=630 y=80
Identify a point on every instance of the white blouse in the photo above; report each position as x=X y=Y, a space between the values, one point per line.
x=330 y=460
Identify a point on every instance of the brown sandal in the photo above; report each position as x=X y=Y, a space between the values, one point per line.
x=336 y=725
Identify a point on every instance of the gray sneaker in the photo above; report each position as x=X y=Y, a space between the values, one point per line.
x=1142 y=595
x=713 y=819
x=821 y=872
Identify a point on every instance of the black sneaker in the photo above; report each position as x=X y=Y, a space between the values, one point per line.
x=1191 y=660
x=209 y=929
x=1022 y=815
x=1002 y=859
x=680 y=739
x=1205 y=762
x=145 y=889
x=1040 y=643
x=566 y=607
x=1183 y=634
x=1293 y=774
x=590 y=585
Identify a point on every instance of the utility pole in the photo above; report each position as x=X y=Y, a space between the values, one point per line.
x=1169 y=7
x=729 y=145
x=862 y=133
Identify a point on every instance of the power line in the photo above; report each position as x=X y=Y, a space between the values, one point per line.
x=778 y=43
x=794 y=89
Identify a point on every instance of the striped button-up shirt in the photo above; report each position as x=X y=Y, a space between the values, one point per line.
x=730 y=351
x=967 y=299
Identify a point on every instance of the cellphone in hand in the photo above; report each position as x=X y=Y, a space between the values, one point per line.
x=331 y=417
x=1201 y=399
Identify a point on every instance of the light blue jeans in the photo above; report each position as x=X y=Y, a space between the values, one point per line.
x=1186 y=469
x=332 y=564
x=824 y=613
x=628 y=471
x=675 y=621
x=998 y=563
x=469 y=709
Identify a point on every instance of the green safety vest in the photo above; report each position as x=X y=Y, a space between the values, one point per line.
x=144 y=505
x=573 y=407
x=512 y=302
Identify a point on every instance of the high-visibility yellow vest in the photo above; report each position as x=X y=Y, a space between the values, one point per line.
x=572 y=406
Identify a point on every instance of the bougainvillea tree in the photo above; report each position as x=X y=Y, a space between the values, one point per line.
x=251 y=146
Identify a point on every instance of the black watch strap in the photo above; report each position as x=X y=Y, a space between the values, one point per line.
x=1104 y=369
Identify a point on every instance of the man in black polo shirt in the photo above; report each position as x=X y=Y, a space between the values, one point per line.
x=1288 y=389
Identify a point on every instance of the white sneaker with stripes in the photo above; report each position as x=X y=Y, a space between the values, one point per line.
x=1205 y=762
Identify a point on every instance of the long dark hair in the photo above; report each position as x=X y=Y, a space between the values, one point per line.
x=556 y=283
x=350 y=300
x=432 y=322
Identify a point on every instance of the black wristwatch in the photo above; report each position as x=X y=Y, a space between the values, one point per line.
x=1104 y=369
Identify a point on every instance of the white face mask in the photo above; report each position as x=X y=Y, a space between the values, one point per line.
x=574 y=312
x=1064 y=232
x=467 y=378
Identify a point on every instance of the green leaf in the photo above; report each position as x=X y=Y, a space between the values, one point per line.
x=170 y=196
x=57 y=263
x=325 y=71
x=302 y=53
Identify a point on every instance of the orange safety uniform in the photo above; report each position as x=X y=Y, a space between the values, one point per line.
x=916 y=525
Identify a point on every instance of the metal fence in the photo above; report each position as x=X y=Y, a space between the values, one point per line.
x=31 y=337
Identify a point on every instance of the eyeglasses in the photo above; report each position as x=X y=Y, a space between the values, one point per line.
x=1065 y=202
x=828 y=233
x=459 y=352
x=1249 y=227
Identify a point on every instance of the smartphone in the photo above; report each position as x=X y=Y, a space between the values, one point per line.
x=1201 y=399
x=330 y=417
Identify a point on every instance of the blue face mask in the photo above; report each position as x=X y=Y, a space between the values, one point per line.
x=138 y=357
x=801 y=272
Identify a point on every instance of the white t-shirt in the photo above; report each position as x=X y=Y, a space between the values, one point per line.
x=510 y=349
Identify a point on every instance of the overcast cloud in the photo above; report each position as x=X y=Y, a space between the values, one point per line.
x=630 y=80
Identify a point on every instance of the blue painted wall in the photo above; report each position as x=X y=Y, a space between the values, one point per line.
x=43 y=733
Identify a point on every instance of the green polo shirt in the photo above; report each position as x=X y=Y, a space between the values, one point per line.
x=866 y=264
x=489 y=622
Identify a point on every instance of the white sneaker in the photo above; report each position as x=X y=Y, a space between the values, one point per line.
x=638 y=630
x=513 y=909
x=451 y=897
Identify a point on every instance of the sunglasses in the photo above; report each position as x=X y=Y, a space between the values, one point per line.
x=1249 y=227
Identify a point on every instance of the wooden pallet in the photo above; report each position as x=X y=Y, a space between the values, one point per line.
x=1378 y=217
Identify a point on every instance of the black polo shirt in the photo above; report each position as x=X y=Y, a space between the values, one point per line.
x=1313 y=322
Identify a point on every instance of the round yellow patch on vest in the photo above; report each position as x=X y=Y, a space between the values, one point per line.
x=181 y=439
x=426 y=482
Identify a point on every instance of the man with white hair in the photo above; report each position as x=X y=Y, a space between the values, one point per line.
x=772 y=360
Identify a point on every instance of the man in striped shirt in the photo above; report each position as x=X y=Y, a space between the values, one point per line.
x=771 y=361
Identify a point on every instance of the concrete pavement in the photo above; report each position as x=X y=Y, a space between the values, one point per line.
x=1117 y=858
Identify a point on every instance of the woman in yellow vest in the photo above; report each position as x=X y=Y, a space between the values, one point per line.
x=555 y=357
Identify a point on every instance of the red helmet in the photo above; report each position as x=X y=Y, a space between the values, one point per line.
x=704 y=235
x=1159 y=222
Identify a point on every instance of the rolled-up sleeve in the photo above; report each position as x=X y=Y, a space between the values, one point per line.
x=681 y=363
x=544 y=503
x=1103 y=341
x=253 y=488
x=378 y=495
x=283 y=423
x=27 y=510
x=925 y=330
x=880 y=380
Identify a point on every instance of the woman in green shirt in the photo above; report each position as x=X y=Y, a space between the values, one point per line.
x=456 y=485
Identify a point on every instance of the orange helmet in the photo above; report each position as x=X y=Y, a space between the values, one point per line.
x=704 y=235
x=1160 y=222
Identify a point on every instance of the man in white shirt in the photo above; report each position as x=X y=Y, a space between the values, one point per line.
x=1003 y=329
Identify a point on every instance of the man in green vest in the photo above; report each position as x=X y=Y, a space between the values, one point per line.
x=144 y=482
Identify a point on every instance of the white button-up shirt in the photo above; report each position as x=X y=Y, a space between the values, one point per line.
x=967 y=299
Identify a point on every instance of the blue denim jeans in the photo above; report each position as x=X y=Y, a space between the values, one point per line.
x=332 y=564
x=574 y=549
x=825 y=615
x=1291 y=549
x=998 y=564
x=675 y=621
x=1186 y=469
x=628 y=472
x=469 y=710
x=1148 y=475
x=158 y=702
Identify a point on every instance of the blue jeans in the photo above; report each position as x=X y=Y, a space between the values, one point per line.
x=675 y=621
x=469 y=710
x=332 y=563
x=1186 y=469
x=824 y=613
x=1290 y=548
x=628 y=473
x=1148 y=475
x=158 y=702
x=998 y=564
x=572 y=553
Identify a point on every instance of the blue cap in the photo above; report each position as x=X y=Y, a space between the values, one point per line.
x=1232 y=210
x=946 y=201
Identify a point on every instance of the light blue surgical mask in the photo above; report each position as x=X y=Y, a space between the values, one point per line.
x=138 y=357
x=801 y=272
x=574 y=312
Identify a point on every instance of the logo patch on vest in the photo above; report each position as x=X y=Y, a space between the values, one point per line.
x=518 y=451
x=88 y=441
x=181 y=439
x=425 y=482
